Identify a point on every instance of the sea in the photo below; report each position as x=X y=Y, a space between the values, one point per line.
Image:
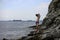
x=15 y=29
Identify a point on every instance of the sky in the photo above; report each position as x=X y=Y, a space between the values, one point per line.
x=23 y=9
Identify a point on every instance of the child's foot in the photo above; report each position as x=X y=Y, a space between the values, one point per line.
x=37 y=31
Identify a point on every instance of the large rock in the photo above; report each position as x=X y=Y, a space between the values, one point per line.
x=53 y=12
x=52 y=21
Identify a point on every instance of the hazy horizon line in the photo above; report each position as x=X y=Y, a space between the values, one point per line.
x=20 y=20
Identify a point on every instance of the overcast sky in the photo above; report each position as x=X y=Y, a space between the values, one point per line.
x=23 y=9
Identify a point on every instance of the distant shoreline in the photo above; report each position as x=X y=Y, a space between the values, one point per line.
x=19 y=21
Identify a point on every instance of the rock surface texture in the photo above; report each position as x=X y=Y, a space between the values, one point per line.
x=52 y=22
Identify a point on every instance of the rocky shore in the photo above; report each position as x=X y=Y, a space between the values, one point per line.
x=50 y=27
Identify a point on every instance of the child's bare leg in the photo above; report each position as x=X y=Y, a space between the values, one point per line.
x=37 y=28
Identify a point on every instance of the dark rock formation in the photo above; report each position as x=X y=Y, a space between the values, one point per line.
x=52 y=21
x=5 y=39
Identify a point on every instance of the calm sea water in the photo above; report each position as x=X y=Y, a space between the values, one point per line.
x=15 y=29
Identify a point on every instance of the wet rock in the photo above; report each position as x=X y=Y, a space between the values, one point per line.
x=5 y=39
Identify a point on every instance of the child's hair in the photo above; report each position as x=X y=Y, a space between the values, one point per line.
x=37 y=14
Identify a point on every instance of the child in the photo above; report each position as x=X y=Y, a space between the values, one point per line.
x=37 y=22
